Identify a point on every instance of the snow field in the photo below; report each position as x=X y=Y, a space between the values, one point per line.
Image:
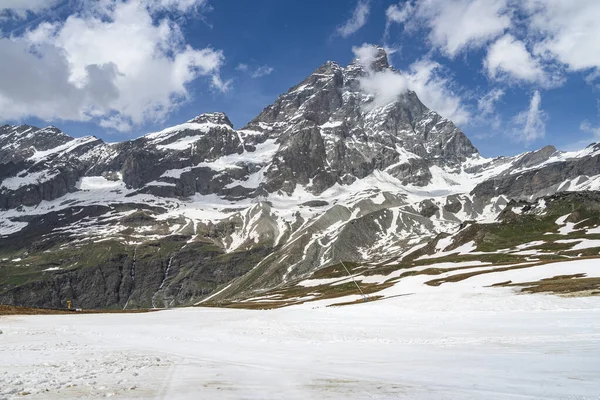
x=456 y=341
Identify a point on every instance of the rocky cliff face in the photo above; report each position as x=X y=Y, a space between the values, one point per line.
x=327 y=173
x=17 y=143
x=556 y=172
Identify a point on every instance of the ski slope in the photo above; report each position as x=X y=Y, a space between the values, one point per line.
x=484 y=344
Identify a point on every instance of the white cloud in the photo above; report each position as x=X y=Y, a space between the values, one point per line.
x=257 y=72
x=220 y=84
x=592 y=78
x=262 y=71
x=395 y=14
x=357 y=20
x=38 y=84
x=568 y=31
x=455 y=25
x=424 y=77
x=487 y=103
x=531 y=123
x=385 y=87
x=587 y=127
x=113 y=62
x=182 y=6
x=399 y=15
x=117 y=123
x=509 y=58
x=486 y=106
x=20 y=8
x=365 y=55
x=530 y=41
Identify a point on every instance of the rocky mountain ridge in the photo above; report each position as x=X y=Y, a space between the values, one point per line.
x=324 y=174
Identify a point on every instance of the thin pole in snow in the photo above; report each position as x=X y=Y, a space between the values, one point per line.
x=356 y=283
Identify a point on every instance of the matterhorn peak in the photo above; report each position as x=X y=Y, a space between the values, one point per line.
x=371 y=57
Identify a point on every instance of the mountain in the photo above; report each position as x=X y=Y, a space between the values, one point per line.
x=200 y=211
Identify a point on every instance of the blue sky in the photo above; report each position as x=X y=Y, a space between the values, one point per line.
x=513 y=75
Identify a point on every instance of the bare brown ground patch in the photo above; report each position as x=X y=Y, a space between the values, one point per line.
x=568 y=285
x=358 y=301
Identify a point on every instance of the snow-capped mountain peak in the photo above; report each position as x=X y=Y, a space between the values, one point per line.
x=216 y=118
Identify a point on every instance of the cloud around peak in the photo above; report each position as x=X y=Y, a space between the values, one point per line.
x=425 y=77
